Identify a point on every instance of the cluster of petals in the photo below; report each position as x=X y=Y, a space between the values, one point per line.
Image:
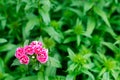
x=35 y=48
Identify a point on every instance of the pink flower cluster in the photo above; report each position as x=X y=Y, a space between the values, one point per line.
x=35 y=48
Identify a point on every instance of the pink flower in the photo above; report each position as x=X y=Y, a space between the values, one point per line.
x=43 y=56
x=24 y=59
x=19 y=52
x=29 y=49
x=37 y=49
x=36 y=43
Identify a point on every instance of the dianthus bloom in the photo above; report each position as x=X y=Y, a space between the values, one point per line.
x=42 y=56
x=19 y=52
x=24 y=59
x=29 y=50
x=36 y=48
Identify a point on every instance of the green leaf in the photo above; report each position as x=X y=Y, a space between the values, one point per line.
x=29 y=78
x=9 y=77
x=102 y=14
x=7 y=47
x=112 y=47
x=54 y=62
x=33 y=21
x=115 y=74
x=46 y=5
x=10 y=54
x=45 y=16
x=72 y=67
x=102 y=58
x=54 y=34
x=15 y=62
x=89 y=65
x=90 y=27
x=60 y=78
x=18 y=6
x=89 y=74
x=1 y=66
x=50 y=71
x=3 y=23
x=78 y=40
x=41 y=76
x=2 y=40
x=76 y=11
x=71 y=54
x=102 y=72
x=70 y=77
x=78 y=29
x=69 y=39
x=69 y=31
x=26 y=42
x=44 y=11
x=88 y=6
x=106 y=76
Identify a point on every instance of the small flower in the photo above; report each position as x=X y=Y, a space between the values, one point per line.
x=43 y=56
x=19 y=52
x=29 y=49
x=36 y=43
x=37 y=49
x=24 y=59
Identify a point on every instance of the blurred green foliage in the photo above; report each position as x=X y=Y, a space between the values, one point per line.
x=82 y=37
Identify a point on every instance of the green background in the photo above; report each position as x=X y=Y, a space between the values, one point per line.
x=82 y=36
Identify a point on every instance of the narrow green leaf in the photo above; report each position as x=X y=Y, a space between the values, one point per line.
x=50 y=71
x=110 y=30
x=1 y=66
x=54 y=34
x=60 y=78
x=41 y=76
x=102 y=14
x=72 y=67
x=10 y=54
x=15 y=62
x=112 y=47
x=26 y=42
x=9 y=77
x=90 y=27
x=102 y=58
x=69 y=31
x=33 y=21
x=102 y=72
x=69 y=39
x=45 y=16
x=18 y=6
x=115 y=74
x=106 y=76
x=70 y=77
x=46 y=5
x=3 y=23
x=89 y=74
x=7 y=47
x=78 y=40
x=78 y=28
x=2 y=40
x=54 y=62
x=71 y=54
x=76 y=11
x=44 y=11
x=88 y=6
x=29 y=78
